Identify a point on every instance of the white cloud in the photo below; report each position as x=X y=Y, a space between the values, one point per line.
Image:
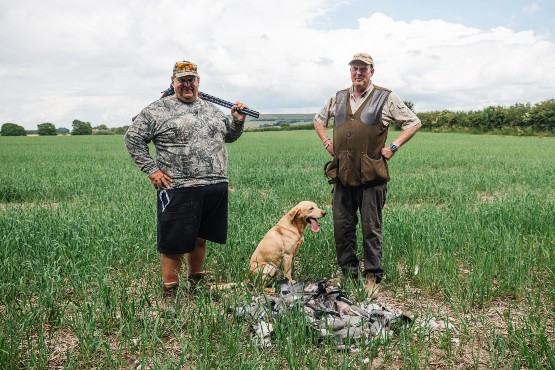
x=531 y=9
x=102 y=61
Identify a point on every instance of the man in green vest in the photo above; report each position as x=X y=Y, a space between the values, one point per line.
x=362 y=114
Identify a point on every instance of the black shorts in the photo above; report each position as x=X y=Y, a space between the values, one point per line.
x=186 y=214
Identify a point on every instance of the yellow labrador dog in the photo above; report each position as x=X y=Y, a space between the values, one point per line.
x=282 y=242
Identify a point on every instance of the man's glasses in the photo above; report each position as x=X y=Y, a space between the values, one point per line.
x=186 y=80
x=360 y=69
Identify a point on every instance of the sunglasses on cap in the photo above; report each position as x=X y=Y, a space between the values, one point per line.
x=185 y=66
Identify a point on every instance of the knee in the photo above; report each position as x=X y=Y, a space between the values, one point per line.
x=200 y=243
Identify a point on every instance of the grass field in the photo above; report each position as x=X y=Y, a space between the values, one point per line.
x=469 y=237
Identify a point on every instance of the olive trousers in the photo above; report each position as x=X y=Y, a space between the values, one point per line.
x=347 y=203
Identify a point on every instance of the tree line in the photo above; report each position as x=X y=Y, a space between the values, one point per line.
x=49 y=129
x=518 y=119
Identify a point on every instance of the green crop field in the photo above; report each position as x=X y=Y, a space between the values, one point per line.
x=469 y=237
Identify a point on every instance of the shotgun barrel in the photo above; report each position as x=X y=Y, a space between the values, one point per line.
x=225 y=103
x=215 y=100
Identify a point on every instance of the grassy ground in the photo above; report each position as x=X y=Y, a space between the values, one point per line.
x=469 y=237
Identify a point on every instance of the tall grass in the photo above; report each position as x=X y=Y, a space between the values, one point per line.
x=469 y=233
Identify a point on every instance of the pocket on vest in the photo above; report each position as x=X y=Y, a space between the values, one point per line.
x=348 y=169
x=373 y=171
x=332 y=168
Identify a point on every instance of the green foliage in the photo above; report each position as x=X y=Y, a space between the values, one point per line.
x=46 y=129
x=493 y=118
x=519 y=119
x=102 y=130
x=119 y=130
x=12 y=129
x=81 y=128
x=409 y=104
x=62 y=130
x=542 y=116
x=515 y=115
x=284 y=124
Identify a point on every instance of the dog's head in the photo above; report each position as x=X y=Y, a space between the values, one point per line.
x=307 y=212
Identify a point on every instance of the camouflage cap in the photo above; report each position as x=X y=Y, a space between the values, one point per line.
x=184 y=68
x=362 y=57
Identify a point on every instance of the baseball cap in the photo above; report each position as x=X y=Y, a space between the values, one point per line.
x=184 y=68
x=362 y=57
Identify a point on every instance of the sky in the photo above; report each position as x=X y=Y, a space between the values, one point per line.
x=103 y=61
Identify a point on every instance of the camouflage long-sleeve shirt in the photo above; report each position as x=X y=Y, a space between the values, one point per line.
x=189 y=140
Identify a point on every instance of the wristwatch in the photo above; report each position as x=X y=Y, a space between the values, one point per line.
x=393 y=148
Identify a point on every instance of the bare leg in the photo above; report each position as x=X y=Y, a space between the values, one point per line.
x=171 y=264
x=195 y=259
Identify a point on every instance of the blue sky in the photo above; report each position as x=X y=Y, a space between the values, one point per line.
x=518 y=15
x=102 y=61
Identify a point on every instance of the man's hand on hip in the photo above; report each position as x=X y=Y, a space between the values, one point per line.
x=160 y=180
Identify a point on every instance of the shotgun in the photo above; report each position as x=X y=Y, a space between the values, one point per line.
x=215 y=100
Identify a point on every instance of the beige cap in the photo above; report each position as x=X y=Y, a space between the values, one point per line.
x=362 y=57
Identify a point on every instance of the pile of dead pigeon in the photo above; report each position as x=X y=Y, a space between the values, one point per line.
x=327 y=311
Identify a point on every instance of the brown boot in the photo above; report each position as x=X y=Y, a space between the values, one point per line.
x=371 y=286
x=169 y=290
x=169 y=294
x=200 y=279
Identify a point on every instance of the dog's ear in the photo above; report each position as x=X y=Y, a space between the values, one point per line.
x=295 y=212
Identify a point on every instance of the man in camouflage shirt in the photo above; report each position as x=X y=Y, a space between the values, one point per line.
x=190 y=171
x=362 y=114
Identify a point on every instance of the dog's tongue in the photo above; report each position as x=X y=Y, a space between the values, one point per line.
x=314 y=225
